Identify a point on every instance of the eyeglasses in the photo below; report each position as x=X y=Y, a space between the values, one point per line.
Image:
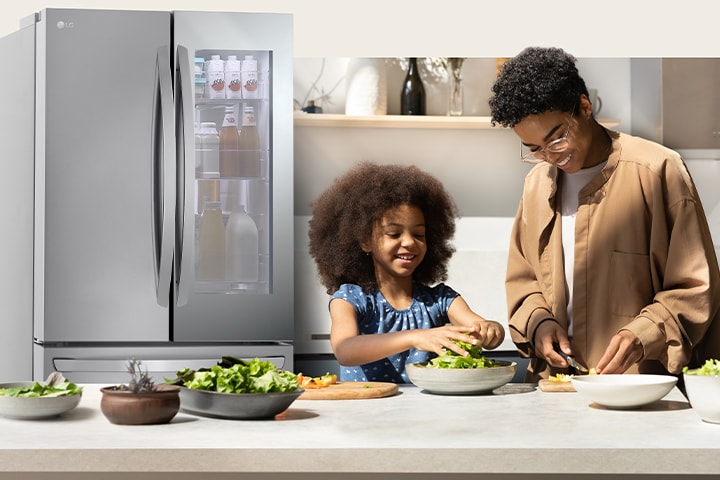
x=556 y=146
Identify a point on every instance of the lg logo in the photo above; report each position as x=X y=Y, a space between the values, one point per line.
x=62 y=25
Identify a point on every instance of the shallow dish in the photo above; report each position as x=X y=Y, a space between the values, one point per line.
x=623 y=391
x=237 y=406
x=703 y=392
x=30 y=408
x=461 y=381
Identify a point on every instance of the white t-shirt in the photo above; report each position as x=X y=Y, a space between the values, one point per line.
x=571 y=185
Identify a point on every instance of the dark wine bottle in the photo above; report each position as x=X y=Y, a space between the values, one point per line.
x=412 y=99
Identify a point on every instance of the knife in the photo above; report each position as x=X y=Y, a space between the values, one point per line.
x=574 y=364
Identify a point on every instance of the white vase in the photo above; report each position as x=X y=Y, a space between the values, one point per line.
x=366 y=87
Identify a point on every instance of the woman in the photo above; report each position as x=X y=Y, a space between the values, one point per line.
x=611 y=258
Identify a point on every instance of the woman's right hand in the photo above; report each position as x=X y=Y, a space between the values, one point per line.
x=547 y=334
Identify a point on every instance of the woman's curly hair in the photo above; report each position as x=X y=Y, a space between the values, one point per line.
x=344 y=215
x=533 y=82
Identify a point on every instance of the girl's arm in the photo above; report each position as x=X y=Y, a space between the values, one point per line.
x=351 y=348
x=489 y=333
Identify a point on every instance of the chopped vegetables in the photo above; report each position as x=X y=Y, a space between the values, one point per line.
x=316 y=382
x=450 y=359
x=710 y=368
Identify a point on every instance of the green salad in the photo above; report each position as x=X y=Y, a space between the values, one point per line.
x=710 y=368
x=42 y=390
x=450 y=359
x=234 y=375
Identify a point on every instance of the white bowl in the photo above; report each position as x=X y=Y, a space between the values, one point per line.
x=461 y=381
x=30 y=408
x=703 y=392
x=623 y=391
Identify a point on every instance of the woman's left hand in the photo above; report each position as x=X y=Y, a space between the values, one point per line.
x=624 y=351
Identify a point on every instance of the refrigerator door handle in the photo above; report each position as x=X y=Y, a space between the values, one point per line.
x=185 y=135
x=163 y=176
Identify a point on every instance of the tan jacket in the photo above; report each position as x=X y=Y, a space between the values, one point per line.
x=644 y=262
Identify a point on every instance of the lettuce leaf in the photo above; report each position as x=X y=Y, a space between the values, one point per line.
x=450 y=359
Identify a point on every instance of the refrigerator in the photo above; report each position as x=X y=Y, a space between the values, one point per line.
x=107 y=193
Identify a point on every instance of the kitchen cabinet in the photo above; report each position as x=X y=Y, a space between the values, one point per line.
x=691 y=102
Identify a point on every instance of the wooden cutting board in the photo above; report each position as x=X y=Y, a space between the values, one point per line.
x=350 y=390
x=550 y=386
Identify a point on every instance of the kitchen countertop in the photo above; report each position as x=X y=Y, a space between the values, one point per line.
x=516 y=431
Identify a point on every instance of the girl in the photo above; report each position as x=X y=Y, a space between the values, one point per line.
x=380 y=236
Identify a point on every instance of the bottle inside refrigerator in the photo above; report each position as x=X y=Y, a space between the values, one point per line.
x=244 y=171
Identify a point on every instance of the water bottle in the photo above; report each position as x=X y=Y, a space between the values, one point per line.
x=241 y=247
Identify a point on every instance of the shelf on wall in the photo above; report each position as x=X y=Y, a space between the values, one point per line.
x=405 y=121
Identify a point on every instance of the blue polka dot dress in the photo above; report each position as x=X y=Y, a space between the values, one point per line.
x=375 y=315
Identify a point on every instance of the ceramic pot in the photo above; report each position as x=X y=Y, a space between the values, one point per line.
x=124 y=407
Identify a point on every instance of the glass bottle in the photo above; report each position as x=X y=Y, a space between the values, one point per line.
x=249 y=145
x=412 y=99
x=211 y=244
x=229 y=145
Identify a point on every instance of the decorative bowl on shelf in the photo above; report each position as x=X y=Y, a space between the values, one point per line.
x=32 y=408
x=623 y=391
x=236 y=406
x=147 y=407
x=461 y=381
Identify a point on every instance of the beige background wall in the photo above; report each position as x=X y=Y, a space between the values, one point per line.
x=370 y=28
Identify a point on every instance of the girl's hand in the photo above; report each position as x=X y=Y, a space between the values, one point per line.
x=489 y=334
x=439 y=339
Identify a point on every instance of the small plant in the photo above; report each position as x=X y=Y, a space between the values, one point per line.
x=140 y=381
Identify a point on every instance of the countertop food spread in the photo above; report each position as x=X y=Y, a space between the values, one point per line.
x=518 y=429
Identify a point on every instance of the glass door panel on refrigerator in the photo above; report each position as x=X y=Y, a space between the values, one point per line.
x=239 y=163
x=232 y=164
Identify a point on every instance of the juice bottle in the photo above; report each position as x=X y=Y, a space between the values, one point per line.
x=249 y=145
x=215 y=77
x=249 y=73
x=233 y=82
x=229 y=145
x=211 y=244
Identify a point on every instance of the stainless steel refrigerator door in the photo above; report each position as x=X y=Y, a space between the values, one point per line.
x=250 y=316
x=16 y=194
x=95 y=267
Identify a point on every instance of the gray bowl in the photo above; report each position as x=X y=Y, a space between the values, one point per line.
x=32 y=408
x=236 y=406
x=461 y=381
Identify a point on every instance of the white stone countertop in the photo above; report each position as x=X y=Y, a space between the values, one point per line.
x=515 y=432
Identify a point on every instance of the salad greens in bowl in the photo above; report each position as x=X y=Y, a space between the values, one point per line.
x=702 y=385
x=237 y=389
x=453 y=374
x=36 y=400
